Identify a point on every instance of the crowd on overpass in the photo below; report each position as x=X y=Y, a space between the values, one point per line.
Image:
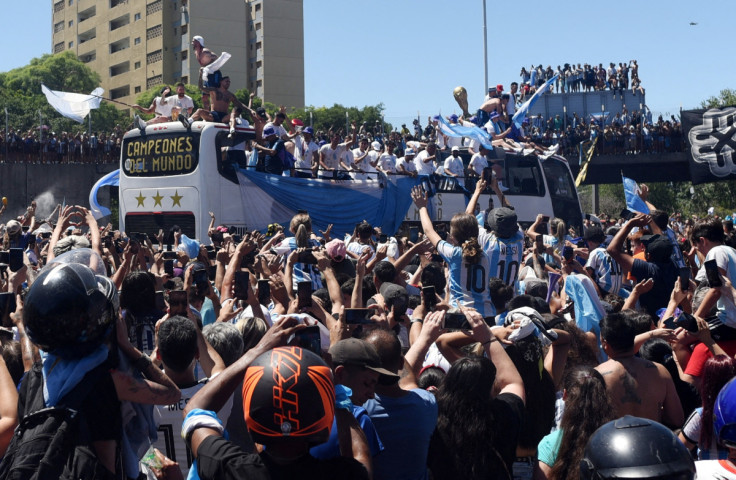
x=583 y=78
x=49 y=147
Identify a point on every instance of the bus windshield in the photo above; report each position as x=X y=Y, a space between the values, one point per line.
x=559 y=180
x=524 y=177
x=161 y=155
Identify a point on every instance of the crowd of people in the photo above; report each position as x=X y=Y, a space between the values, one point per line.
x=50 y=147
x=477 y=349
x=583 y=78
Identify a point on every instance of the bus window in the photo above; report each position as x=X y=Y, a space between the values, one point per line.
x=524 y=177
x=230 y=153
x=161 y=155
x=150 y=223
x=559 y=180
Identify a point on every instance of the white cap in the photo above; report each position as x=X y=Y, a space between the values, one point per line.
x=376 y=146
x=198 y=39
x=455 y=149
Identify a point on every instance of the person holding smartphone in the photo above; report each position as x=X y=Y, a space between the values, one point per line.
x=469 y=265
x=605 y=272
x=708 y=238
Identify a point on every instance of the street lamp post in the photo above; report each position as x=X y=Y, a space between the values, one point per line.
x=485 y=48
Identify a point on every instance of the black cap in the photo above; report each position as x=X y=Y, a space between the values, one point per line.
x=503 y=221
x=657 y=247
x=359 y=353
x=395 y=296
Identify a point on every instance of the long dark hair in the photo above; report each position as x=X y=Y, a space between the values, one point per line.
x=717 y=371
x=464 y=228
x=587 y=407
x=465 y=421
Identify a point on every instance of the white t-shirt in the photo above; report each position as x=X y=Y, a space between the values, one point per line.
x=387 y=163
x=422 y=167
x=184 y=103
x=408 y=165
x=163 y=106
x=477 y=163
x=303 y=153
x=347 y=157
x=280 y=130
x=358 y=249
x=454 y=165
x=169 y=419
x=454 y=142
x=332 y=156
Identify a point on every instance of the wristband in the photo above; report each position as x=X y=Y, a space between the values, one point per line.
x=198 y=418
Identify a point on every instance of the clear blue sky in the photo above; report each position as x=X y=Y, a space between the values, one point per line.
x=410 y=54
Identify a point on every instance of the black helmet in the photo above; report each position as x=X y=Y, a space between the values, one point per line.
x=69 y=311
x=288 y=393
x=635 y=448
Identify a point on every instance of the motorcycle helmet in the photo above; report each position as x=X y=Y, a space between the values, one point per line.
x=288 y=392
x=724 y=415
x=69 y=311
x=635 y=448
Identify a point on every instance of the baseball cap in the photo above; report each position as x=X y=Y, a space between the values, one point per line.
x=494 y=115
x=455 y=148
x=199 y=39
x=503 y=221
x=657 y=247
x=356 y=352
x=395 y=296
x=336 y=250
x=453 y=118
x=409 y=151
x=296 y=122
x=376 y=146
x=12 y=227
x=499 y=88
x=308 y=130
x=268 y=131
x=491 y=89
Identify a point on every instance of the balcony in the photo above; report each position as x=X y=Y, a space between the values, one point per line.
x=87 y=14
x=121 y=44
x=88 y=57
x=119 y=69
x=87 y=36
x=121 y=21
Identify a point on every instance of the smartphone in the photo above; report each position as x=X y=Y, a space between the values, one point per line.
x=242 y=285
x=688 y=322
x=15 y=259
x=178 y=302
x=309 y=339
x=169 y=255
x=382 y=238
x=429 y=297
x=626 y=214
x=567 y=253
x=169 y=267
x=211 y=272
x=4 y=257
x=304 y=294
x=141 y=237
x=211 y=253
x=358 y=316
x=7 y=304
x=160 y=303
x=413 y=234
x=199 y=277
x=456 y=321
x=540 y=243
x=237 y=238
x=684 y=279
x=264 y=292
x=669 y=323
x=545 y=218
x=712 y=274
x=135 y=246
x=307 y=257
x=46 y=235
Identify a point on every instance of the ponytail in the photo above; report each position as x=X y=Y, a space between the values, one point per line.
x=560 y=231
x=471 y=251
x=302 y=236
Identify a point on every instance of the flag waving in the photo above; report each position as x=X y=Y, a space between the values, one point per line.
x=73 y=105
x=520 y=114
x=633 y=200
x=458 y=131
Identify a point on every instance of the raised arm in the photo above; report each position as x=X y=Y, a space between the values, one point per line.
x=420 y=200
x=615 y=249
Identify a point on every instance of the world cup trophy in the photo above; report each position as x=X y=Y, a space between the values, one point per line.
x=461 y=97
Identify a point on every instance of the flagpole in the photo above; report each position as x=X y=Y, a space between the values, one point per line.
x=485 y=48
x=6 y=134
x=40 y=137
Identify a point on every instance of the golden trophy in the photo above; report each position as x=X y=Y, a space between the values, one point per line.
x=461 y=97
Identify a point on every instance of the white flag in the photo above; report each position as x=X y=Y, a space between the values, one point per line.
x=73 y=105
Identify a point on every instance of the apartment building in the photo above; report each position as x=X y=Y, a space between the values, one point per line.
x=138 y=44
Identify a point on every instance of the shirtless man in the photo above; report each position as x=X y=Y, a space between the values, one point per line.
x=636 y=386
x=220 y=99
x=205 y=56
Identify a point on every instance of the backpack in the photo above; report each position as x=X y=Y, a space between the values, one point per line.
x=47 y=443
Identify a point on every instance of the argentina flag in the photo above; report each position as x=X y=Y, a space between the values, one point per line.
x=474 y=133
x=633 y=200
x=520 y=114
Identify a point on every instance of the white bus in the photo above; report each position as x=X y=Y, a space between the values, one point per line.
x=173 y=176
x=535 y=186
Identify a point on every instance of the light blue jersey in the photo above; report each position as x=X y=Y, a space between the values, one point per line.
x=468 y=283
x=677 y=257
x=554 y=242
x=303 y=272
x=505 y=255
x=606 y=272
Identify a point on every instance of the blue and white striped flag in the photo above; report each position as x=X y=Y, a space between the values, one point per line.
x=458 y=131
x=73 y=105
x=520 y=114
x=633 y=201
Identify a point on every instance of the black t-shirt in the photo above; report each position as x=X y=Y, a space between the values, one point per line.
x=273 y=163
x=218 y=458
x=508 y=412
x=664 y=275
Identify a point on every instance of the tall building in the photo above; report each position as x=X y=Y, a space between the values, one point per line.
x=138 y=44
